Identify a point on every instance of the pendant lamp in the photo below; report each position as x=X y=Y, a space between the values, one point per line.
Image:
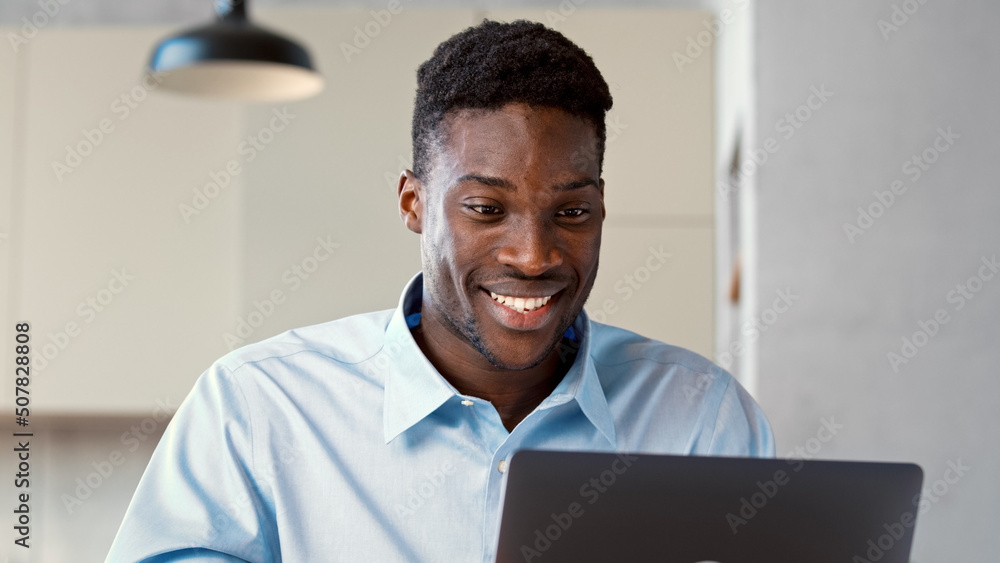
x=235 y=59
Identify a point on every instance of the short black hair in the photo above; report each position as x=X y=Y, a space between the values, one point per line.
x=492 y=64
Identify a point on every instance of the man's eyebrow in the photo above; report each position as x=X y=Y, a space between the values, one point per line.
x=575 y=185
x=496 y=182
x=491 y=181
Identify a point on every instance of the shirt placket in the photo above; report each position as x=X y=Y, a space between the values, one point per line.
x=506 y=445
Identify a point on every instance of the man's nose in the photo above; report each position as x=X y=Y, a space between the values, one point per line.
x=532 y=247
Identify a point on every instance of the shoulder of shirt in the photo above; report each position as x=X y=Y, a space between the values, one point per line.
x=348 y=340
x=614 y=346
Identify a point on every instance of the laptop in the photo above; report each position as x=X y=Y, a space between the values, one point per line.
x=585 y=506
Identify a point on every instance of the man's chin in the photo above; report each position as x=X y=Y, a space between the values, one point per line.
x=518 y=360
x=517 y=364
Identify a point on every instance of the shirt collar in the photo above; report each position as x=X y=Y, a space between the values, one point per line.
x=414 y=388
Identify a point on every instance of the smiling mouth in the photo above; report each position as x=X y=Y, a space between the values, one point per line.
x=523 y=305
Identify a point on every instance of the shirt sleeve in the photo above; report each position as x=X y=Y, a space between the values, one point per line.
x=198 y=499
x=741 y=429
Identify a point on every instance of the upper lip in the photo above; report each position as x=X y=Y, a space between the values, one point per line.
x=522 y=289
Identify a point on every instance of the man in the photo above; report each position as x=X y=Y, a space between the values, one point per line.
x=385 y=436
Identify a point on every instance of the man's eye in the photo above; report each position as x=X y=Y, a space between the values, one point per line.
x=485 y=209
x=574 y=212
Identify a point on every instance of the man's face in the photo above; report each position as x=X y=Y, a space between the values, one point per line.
x=512 y=211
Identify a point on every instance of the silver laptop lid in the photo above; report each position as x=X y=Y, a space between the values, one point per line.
x=579 y=507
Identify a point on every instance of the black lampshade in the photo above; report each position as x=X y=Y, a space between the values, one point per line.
x=233 y=58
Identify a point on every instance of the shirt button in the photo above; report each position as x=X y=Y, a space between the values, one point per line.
x=467 y=403
x=502 y=466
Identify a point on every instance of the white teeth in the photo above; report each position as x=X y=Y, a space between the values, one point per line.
x=521 y=304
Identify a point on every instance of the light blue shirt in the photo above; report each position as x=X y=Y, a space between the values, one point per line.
x=341 y=442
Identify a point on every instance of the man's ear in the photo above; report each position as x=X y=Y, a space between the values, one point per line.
x=603 y=212
x=411 y=201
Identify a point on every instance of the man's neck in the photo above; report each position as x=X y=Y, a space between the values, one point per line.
x=514 y=393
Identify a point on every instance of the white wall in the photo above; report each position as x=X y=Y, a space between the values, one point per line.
x=827 y=355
